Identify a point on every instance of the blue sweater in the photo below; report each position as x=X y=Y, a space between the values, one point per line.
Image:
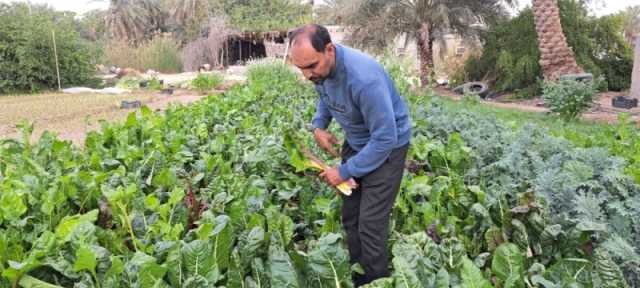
x=363 y=99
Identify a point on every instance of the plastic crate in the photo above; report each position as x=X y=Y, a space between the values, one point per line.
x=624 y=102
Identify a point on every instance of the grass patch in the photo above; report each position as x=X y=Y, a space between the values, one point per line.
x=517 y=118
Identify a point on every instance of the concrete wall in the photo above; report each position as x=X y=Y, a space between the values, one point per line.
x=275 y=50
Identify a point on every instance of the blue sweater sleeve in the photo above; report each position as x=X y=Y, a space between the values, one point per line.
x=322 y=118
x=376 y=107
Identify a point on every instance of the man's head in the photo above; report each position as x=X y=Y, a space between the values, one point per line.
x=312 y=51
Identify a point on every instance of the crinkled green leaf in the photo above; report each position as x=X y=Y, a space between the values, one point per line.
x=329 y=261
x=508 y=264
x=12 y=205
x=198 y=259
x=85 y=259
x=69 y=223
x=281 y=269
x=471 y=275
x=30 y=282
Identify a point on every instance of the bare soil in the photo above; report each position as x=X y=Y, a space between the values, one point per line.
x=73 y=116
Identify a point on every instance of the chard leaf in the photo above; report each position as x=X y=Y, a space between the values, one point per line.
x=472 y=276
x=508 y=264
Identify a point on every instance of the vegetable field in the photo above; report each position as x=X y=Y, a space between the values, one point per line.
x=207 y=195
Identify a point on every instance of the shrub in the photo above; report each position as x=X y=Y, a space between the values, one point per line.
x=26 y=50
x=128 y=83
x=569 y=98
x=154 y=84
x=205 y=82
x=162 y=54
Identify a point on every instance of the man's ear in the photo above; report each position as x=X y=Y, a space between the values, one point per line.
x=330 y=48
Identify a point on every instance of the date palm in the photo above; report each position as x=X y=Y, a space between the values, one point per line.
x=556 y=57
x=185 y=11
x=375 y=23
x=134 y=20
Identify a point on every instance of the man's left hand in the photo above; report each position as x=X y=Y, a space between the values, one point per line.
x=332 y=176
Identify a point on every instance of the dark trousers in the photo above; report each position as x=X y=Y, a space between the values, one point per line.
x=365 y=214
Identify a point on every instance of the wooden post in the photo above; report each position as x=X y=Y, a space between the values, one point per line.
x=55 y=54
x=635 y=75
x=286 y=51
x=240 y=45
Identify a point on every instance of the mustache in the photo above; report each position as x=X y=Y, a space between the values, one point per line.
x=316 y=79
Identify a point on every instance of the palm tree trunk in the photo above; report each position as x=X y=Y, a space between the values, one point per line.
x=425 y=53
x=556 y=57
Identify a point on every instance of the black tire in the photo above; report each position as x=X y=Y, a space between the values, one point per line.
x=478 y=88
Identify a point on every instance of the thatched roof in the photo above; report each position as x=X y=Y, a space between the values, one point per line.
x=259 y=36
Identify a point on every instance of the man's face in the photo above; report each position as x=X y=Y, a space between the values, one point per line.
x=315 y=65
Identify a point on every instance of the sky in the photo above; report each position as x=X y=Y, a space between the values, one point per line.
x=602 y=7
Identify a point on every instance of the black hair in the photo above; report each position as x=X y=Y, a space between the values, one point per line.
x=317 y=34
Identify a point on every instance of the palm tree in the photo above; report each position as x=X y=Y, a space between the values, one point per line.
x=631 y=22
x=375 y=23
x=185 y=11
x=556 y=57
x=189 y=17
x=134 y=20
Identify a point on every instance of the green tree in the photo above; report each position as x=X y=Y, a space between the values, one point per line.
x=375 y=23
x=27 y=54
x=511 y=63
x=631 y=22
x=265 y=15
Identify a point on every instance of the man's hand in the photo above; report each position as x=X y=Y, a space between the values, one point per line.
x=326 y=141
x=332 y=176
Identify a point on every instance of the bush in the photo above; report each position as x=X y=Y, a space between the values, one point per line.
x=510 y=56
x=154 y=84
x=206 y=82
x=27 y=61
x=569 y=98
x=162 y=54
x=128 y=83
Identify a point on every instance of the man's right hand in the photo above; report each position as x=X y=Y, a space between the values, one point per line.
x=326 y=141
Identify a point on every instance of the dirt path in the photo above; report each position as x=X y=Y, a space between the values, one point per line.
x=73 y=116
x=602 y=111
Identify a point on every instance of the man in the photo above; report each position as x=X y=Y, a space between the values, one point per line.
x=356 y=91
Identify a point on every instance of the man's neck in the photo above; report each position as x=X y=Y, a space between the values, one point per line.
x=334 y=66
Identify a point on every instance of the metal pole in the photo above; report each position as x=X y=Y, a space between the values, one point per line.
x=55 y=54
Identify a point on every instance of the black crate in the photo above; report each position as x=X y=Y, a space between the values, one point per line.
x=130 y=104
x=624 y=102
